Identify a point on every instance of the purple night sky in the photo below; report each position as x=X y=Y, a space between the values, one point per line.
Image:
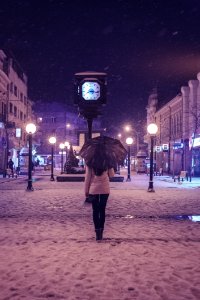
x=140 y=44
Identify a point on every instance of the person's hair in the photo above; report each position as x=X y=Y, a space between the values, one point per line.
x=98 y=172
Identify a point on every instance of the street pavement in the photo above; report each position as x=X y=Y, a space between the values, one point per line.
x=150 y=248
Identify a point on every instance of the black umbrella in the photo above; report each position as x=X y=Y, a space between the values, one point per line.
x=103 y=152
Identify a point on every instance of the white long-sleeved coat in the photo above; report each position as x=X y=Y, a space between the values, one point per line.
x=97 y=184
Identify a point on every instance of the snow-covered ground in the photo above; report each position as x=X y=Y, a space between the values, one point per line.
x=48 y=247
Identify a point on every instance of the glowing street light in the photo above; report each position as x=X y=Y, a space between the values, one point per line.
x=119 y=135
x=52 y=141
x=127 y=128
x=62 y=146
x=152 y=130
x=30 y=129
x=129 y=142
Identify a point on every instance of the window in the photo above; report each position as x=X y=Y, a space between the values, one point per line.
x=180 y=124
x=15 y=90
x=11 y=108
x=172 y=126
x=21 y=97
x=11 y=87
x=53 y=120
x=15 y=111
x=3 y=109
x=21 y=115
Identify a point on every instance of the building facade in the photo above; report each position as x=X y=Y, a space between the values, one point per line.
x=62 y=121
x=178 y=138
x=16 y=109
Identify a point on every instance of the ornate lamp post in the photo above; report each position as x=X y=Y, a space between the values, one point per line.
x=90 y=95
x=62 y=146
x=152 y=130
x=129 y=142
x=30 y=129
x=52 y=141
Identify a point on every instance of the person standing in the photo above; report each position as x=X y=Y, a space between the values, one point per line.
x=97 y=188
x=11 y=166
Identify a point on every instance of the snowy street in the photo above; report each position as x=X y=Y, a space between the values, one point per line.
x=150 y=249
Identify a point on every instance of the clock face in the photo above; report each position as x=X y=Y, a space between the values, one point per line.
x=90 y=90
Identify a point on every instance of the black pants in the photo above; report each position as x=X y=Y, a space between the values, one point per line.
x=99 y=202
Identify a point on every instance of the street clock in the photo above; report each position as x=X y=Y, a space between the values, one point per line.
x=90 y=89
x=90 y=95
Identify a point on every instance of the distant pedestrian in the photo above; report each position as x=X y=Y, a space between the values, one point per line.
x=37 y=163
x=11 y=166
x=97 y=189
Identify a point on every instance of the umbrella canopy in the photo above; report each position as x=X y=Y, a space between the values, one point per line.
x=103 y=152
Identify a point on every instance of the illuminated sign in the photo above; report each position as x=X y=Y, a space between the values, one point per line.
x=196 y=142
x=158 y=148
x=18 y=132
x=165 y=147
x=177 y=145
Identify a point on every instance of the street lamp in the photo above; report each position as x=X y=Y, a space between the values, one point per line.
x=52 y=141
x=127 y=128
x=62 y=146
x=131 y=130
x=119 y=135
x=30 y=129
x=129 y=142
x=152 y=130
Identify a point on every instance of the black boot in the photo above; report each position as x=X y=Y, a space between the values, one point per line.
x=98 y=234
x=101 y=233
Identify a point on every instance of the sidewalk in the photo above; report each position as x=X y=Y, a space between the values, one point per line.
x=48 y=247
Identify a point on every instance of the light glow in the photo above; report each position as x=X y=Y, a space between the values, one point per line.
x=30 y=128
x=129 y=141
x=152 y=128
x=90 y=90
x=127 y=128
x=62 y=146
x=52 y=140
x=67 y=145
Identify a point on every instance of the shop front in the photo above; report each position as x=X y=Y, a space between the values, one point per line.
x=162 y=158
x=195 y=153
x=177 y=157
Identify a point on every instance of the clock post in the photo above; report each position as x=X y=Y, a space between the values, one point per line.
x=90 y=95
